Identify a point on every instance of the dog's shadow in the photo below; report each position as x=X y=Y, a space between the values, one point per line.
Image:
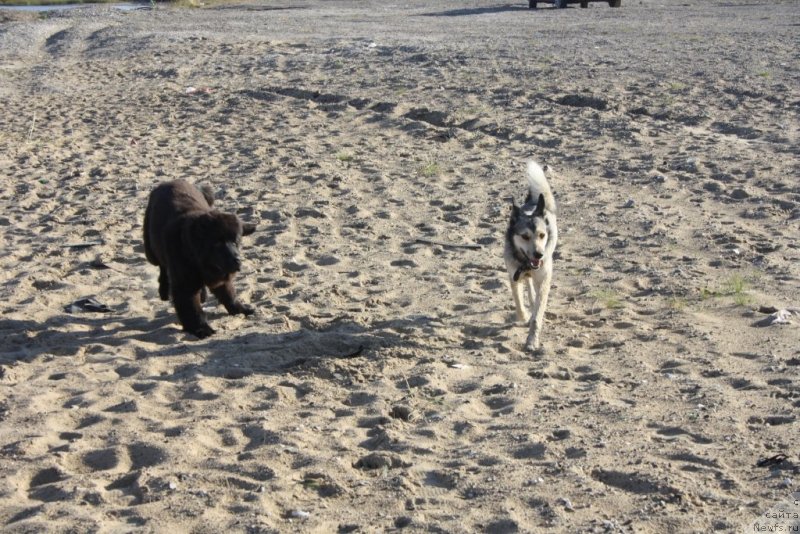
x=68 y=333
x=307 y=346
x=232 y=356
x=470 y=11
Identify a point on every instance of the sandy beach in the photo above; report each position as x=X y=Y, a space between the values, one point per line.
x=382 y=384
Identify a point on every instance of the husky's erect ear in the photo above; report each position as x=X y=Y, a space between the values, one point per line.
x=514 y=209
x=540 y=205
x=529 y=198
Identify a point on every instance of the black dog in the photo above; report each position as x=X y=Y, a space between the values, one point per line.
x=194 y=247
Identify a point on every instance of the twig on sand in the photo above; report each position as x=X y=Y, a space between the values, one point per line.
x=449 y=245
x=354 y=353
x=33 y=127
x=772 y=460
x=98 y=263
x=85 y=244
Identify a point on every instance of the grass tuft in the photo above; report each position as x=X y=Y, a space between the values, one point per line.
x=430 y=170
x=608 y=297
x=344 y=157
x=735 y=287
x=677 y=303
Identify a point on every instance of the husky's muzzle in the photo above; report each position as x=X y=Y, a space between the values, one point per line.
x=530 y=264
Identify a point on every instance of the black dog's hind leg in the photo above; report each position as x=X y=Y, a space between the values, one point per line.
x=163 y=284
x=190 y=312
x=226 y=295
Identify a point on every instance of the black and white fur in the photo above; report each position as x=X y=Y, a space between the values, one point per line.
x=529 y=245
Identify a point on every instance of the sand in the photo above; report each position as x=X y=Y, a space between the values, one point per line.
x=382 y=383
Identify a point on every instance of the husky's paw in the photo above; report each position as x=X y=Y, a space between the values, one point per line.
x=523 y=319
x=533 y=346
x=536 y=351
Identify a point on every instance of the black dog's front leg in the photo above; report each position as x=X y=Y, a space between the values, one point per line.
x=163 y=283
x=190 y=311
x=226 y=294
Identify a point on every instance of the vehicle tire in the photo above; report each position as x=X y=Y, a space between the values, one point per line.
x=531 y=4
x=585 y=4
x=615 y=3
x=561 y=4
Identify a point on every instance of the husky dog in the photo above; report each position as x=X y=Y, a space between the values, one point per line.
x=530 y=242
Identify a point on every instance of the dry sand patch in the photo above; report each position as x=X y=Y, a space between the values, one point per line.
x=382 y=384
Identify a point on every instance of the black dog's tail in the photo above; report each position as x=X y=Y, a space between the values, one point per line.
x=208 y=194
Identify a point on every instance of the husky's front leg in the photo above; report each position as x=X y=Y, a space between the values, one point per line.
x=531 y=290
x=519 y=305
x=537 y=321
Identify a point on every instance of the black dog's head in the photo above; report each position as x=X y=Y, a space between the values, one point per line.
x=213 y=240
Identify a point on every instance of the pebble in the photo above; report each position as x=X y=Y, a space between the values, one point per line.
x=381 y=460
x=562 y=433
x=300 y=514
x=403 y=521
x=403 y=412
x=567 y=504
x=690 y=165
x=562 y=374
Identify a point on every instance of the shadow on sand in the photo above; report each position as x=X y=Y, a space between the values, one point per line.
x=478 y=11
x=230 y=357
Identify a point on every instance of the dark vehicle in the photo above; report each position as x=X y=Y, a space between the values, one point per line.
x=563 y=3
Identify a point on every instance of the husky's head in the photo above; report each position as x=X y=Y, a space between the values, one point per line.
x=528 y=231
